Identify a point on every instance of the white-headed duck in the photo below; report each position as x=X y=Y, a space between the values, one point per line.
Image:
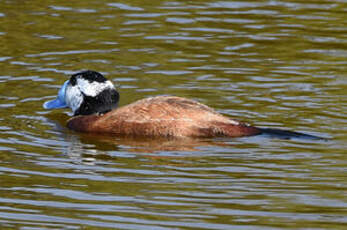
x=94 y=99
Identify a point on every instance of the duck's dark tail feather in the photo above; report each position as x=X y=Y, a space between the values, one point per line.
x=286 y=134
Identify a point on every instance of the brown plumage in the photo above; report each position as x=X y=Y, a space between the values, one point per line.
x=165 y=116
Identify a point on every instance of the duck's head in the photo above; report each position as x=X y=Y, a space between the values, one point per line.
x=86 y=93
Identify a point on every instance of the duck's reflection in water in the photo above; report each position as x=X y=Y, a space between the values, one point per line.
x=138 y=144
x=88 y=148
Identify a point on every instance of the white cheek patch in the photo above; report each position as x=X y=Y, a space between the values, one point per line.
x=73 y=97
x=93 y=88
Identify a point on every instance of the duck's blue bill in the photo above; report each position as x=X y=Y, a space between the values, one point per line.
x=59 y=102
x=54 y=104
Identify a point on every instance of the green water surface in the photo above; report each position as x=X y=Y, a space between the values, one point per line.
x=275 y=63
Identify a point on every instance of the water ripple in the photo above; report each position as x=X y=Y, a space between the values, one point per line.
x=278 y=64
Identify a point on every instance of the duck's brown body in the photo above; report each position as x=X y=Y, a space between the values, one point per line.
x=165 y=116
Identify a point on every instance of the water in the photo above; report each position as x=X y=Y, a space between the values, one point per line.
x=277 y=64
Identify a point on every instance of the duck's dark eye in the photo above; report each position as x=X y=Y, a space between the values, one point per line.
x=73 y=80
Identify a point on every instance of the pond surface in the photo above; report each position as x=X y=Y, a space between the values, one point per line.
x=278 y=64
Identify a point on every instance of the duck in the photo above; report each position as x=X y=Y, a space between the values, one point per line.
x=94 y=99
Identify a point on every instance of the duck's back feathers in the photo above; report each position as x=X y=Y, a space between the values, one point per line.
x=167 y=116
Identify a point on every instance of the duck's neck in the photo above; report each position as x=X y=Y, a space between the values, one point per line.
x=102 y=103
